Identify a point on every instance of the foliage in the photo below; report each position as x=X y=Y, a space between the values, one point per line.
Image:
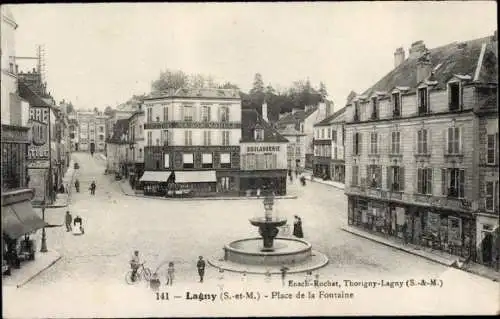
x=70 y=108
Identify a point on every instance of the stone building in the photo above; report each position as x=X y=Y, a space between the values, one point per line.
x=415 y=149
x=91 y=131
x=135 y=151
x=117 y=147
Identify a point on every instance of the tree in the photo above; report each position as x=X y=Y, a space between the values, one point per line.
x=258 y=84
x=96 y=110
x=229 y=85
x=322 y=91
x=70 y=108
x=170 y=80
x=108 y=110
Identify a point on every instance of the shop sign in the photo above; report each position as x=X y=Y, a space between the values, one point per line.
x=13 y=135
x=39 y=148
x=263 y=149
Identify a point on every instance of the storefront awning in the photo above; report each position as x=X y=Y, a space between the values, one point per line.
x=155 y=176
x=195 y=177
x=19 y=219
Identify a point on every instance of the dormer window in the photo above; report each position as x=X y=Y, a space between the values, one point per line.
x=423 y=101
x=374 y=108
x=454 y=96
x=259 y=134
x=396 y=104
x=356 y=111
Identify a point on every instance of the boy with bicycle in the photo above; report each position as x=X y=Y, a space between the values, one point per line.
x=135 y=262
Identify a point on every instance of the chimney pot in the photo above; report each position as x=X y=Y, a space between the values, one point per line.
x=399 y=56
x=417 y=48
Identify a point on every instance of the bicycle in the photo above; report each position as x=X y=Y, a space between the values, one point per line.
x=142 y=273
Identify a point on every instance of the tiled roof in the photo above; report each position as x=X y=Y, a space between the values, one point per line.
x=335 y=117
x=447 y=61
x=250 y=119
x=120 y=129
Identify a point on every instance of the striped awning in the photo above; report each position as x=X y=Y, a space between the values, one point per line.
x=155 y=176
x=195 y=177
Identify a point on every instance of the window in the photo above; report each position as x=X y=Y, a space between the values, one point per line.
x=259 y=134
x=11 y=67
x=453 y=182
x=268 y=160
x=206 y=160
x=454 y=96
x=357 y=143
x=188 y=112
x=301 y=127
x=355 y=176
x=165 y=137
x=356 y=111
x=225 y=138
x=101 y=138
x=205 y=113
x=334 y=136
x=150 y=138
x=490 y=196
x=424 y=181
x=453 y=145
x=422 y=141
x=373 y=143
x=187 y=160
x=395 y=178
x=491 y=149
x=166 y=160
x=225 y=160
x=165 y=113
x=374 y=108
x=423 y=100
x=207 y=138
x=149 y=114
x=396 y=104
x=322 y=133
x=374 y=175
x=188 y=138
x=140 y=153
x=251 y=161
x=101 y=129
x=396 y=143
x=224 y=114
x=329 y=133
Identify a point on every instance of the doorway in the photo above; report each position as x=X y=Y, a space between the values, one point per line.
x=92 y=147
x=486 y=247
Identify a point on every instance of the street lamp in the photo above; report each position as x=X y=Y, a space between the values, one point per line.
x=43 y=248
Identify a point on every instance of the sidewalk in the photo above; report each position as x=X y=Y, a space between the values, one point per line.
x=62 y=200
x=127 y=190
x=425 y=252
x=319 y=180
x=31 y=268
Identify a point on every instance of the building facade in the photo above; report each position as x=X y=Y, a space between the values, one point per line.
x=135 y=152
x=295 y=153
x=117 y=148
x=329 y=136
x=194 y=137
x=263 y=153
x=91 y=131
x=412 y=155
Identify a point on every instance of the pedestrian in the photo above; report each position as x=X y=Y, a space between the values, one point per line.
x=201 y=267
x=77 y=185
x=78 y=228
x=405 y=236
x=170 y=274
x=68 y=221
x=92 y=188
x=297 y=227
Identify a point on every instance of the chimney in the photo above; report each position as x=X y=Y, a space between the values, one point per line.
x=264 y=111
x=399 y=56
x=417 y=48
x=321 y=111
x=424 y=69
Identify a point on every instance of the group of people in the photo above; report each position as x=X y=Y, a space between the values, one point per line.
x=92 y=187
x=135 y=263
x=77 y=223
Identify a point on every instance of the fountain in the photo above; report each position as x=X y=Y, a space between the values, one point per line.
x=266 y=254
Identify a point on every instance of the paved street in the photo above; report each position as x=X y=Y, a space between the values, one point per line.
x=179 y=231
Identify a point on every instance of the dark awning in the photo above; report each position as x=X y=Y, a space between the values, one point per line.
x=19 y=219
x=155 y=176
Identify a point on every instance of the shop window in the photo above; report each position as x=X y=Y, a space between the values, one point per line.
x=395 y=142
x=490 y=196
x=187 y=160
x=453 y=182
x=206 y=160
x=225 y=183
x=424 y=181
x=225 y=160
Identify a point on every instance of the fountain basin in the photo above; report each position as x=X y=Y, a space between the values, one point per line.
x=249 y=251
x=272 y=222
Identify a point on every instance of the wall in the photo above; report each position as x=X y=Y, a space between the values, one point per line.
x=280 y=149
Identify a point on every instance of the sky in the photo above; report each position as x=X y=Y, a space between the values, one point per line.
x=101 y=54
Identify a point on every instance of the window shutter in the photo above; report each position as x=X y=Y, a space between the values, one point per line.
x=444 y=185
x=389 y=179
x=429 y=141
x=360 y=143
x=401 y=178
x=182 y=112
x=368 y=179
x=400 y=145
x=415 y=142
x=462 y=183
x=379 y=176
x=496 y=148
x=354 y=139
x=228 y=116
x=446 y=140
x=219 y=114
x=461 y=140
x=429 y=181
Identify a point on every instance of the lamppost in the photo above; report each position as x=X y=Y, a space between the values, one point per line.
x=43 y=248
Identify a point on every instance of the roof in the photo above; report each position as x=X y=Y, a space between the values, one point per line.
x=447 y=61
x=297 y=117
x=197 y=93
x=290 y=131
x=33 y=99
x=119 y=130
x=250 y=119
x=335 y=117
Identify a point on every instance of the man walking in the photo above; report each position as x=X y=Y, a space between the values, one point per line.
x=68 y=221
x=92 y=188
x=201 y=268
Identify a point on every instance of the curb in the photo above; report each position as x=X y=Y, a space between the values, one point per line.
x=315 y=181
x=39 y=272
x=395 y=247
x=204 y=198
